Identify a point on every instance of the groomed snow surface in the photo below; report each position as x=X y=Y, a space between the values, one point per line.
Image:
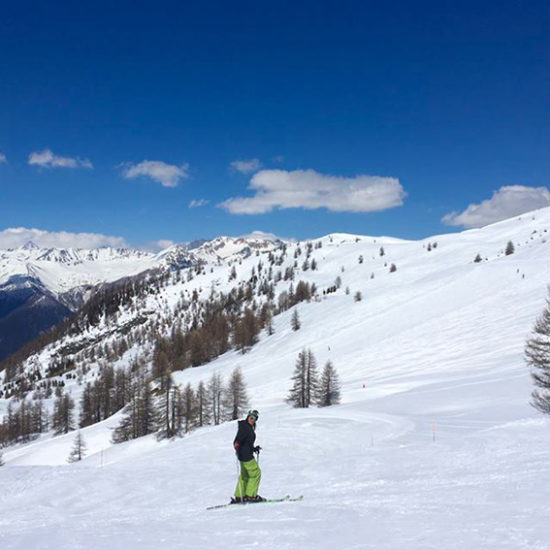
x=435 y=445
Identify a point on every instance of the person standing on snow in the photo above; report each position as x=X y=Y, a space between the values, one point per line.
x=250 y=475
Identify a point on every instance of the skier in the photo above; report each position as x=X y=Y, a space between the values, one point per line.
x=250 y=475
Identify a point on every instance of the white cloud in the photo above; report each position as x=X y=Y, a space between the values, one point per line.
x=507 y=202
x=165 y=243
x=310 y=190
x=197 y=203
x=157 y=246
x=3 y=158
x=263 y=236
x=47 y=159
x=246 y=166
x=168 y=175
x=19 y=236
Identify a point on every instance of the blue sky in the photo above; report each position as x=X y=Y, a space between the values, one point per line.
x=446 y=103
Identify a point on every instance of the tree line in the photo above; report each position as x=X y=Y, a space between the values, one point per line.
x=170 y=410
x=28 y=418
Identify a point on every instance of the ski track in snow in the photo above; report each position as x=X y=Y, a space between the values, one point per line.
x=434 y=447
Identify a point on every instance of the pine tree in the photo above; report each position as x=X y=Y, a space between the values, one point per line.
x=203 y=405
x=24 y=421
x=147 y=417
x=62 y=421
x=197 y=348
x=328 y=390
x=295 y=321
x=140 y=416
x=166 y=404
x=105 y=390
x=215 y=394
x=235 y=399
x=12 y=423
x=393 y=268
x=358 y=296
x=537 y=354
x=86 y=407
x=161 y=365
x=302 y=293
x=509 y=248
x=39 y=416
x=79 y=449
x=177 y=413
x=189 y=407
x=245 y=334
x=478 y=259
x=121 y=389
x=304 y=386
x=1 y=459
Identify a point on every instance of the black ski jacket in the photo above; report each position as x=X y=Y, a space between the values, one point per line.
x=244 y=441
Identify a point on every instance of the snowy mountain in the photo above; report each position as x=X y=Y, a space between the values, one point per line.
x=60 y=270
x=59 y=281
x=434 y=445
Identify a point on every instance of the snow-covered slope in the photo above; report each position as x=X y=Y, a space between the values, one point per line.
x=434 y=446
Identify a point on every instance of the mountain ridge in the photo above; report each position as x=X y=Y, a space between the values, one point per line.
x=65 y=278
x=215 y=260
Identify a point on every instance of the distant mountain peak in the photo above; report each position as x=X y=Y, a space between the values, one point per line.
x=30 y=245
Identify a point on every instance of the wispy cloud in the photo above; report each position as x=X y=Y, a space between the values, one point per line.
x=157 y=246
x=507 y=202
x=3 y=158
x=263 y=236
x=47 y=159
x=197 y=203
x=246 y=166
x=19 y=236
x=168 y=175
x=278 y=189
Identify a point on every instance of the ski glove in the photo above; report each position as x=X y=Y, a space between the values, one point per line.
x=257 y=449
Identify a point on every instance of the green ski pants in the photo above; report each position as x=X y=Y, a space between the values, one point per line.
x=249 y=480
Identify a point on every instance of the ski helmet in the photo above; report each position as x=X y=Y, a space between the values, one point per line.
x=254 y=414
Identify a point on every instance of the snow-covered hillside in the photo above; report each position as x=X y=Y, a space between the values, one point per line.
x=60 y=270
x=434 y=445
x=40 y=287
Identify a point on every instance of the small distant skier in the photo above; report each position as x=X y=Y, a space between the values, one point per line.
x=250 y=475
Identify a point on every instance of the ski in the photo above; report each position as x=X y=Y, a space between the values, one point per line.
x=286 y=498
